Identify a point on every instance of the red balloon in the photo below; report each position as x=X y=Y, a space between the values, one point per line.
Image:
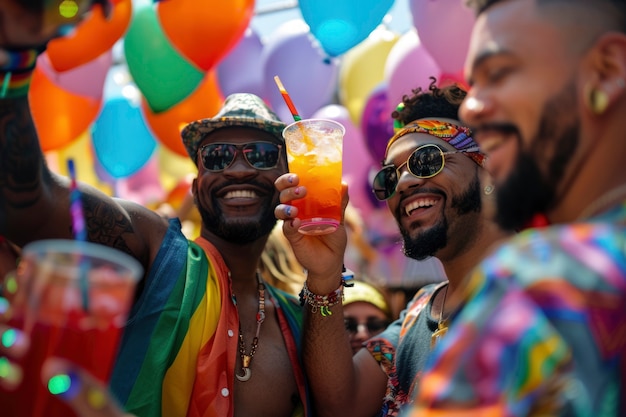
x=205 y=101
x=91 y=38
x=204 y=30
x=60 y=116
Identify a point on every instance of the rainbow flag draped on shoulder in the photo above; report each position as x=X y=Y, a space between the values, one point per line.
x=184 y=313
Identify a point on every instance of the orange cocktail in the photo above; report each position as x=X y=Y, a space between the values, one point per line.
x=314 y=152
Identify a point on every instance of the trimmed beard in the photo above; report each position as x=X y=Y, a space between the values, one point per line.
x=239 y=231
x=430 y=241
x=527 y=191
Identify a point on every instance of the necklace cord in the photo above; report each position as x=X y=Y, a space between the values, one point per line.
x=603 y=202
x=246 y=359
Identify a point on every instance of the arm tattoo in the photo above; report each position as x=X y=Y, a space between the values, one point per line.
x=21 y=159
x=106 y=223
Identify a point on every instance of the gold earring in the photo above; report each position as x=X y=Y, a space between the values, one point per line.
x=598 y=101
x=488 y=189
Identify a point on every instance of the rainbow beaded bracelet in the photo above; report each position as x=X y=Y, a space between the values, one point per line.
x=16 y=73
x=324 y=302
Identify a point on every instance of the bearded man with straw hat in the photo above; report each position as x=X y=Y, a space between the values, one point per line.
x=206 y=335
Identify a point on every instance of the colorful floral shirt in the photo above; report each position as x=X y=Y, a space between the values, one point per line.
x=407 y=342
x=543 y=332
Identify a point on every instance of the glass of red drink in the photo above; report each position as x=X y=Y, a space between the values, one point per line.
x=72 y=299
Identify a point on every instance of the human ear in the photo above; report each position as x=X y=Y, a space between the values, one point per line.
x=608 y=68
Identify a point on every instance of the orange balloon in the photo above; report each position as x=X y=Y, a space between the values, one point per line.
x=204 y=30
x=205 y=101
x=60 y=117
x=91 y=38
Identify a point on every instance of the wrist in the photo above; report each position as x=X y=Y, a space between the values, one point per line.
x=322 y=302
x=17 y=71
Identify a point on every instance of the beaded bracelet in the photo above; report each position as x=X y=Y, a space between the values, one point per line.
x=16 y=74
x=324 y=302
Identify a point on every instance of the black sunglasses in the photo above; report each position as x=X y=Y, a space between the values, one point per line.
x=260 y=155
x=425 y=162
x=373 y=325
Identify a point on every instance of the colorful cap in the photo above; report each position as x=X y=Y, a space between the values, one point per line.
x=240 y=109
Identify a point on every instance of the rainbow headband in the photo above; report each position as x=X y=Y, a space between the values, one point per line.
x=457 y=136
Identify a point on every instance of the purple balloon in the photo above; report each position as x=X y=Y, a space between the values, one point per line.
x=376 y=122
x=239 y=71
x=308 y=76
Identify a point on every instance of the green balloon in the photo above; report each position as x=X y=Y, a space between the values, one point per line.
x=163 y=76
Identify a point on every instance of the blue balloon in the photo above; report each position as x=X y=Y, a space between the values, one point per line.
x=121 y=140
x=341 y=24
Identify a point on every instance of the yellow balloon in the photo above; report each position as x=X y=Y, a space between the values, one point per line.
x=362 y=69
x=173 y=167
x=81 y=152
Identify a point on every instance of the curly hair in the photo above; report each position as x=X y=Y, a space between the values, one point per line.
x=433 y=102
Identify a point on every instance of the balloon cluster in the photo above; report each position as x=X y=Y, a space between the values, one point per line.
x=129 y=82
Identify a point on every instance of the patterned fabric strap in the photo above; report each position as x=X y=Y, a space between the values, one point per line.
x=16 y=73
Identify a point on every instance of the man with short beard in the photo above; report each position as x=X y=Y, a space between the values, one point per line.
x=434 y=184
x=541 y=327
x=206 y=336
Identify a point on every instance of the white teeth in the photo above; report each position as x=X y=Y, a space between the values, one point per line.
x=240 y=194
x=426 y=202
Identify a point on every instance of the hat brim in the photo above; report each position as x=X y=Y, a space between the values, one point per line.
x=196 y=131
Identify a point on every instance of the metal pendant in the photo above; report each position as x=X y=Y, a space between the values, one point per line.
x=245 y=376
x=436 y=337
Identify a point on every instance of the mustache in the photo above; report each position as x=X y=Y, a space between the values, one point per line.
x=501 y=128
x=270 y=189
x=418 y=190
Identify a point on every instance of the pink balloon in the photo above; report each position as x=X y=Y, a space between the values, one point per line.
x=408 y=66
x=239 y=71
x=144 y=186
x=444 y=27
x=86 y=80
x=357 y=160
x=309 y=77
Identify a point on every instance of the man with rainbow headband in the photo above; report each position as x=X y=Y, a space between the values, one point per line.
x=206 y=336
x=435 y=186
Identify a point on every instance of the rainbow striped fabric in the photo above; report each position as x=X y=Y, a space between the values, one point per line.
x=543 y=332
x=184 y=313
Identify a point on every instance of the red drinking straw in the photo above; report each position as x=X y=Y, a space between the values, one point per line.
x=287 y=99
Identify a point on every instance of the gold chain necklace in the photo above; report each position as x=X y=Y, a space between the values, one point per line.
x=442 y=325
x=606 y=199
x=260 y=317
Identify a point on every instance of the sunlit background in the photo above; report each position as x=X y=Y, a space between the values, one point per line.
x=114 y=94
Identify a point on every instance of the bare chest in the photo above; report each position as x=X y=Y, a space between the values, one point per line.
x=271 y=389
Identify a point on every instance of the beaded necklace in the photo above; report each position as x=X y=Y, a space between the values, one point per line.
x=246 y=359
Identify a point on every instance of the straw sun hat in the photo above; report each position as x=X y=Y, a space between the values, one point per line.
x=242 y=110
